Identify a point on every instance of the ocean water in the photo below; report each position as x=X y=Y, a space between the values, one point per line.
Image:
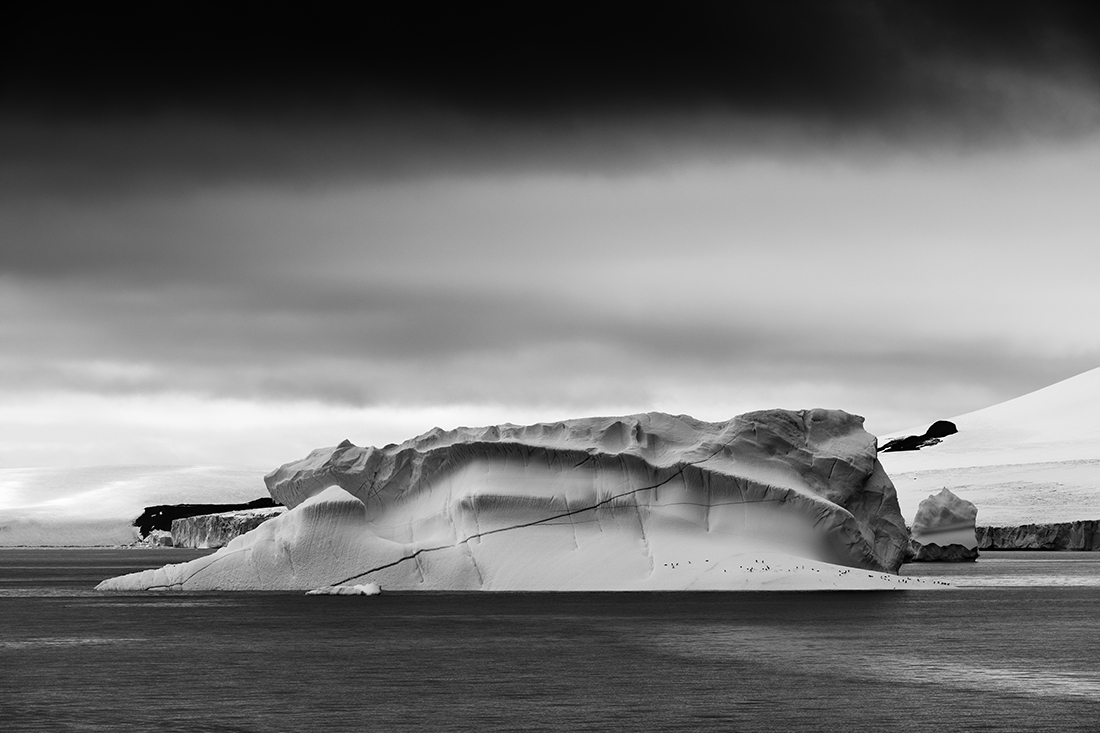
x=1014 y=646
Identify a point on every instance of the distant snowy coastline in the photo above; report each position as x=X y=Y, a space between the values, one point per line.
x=1031 y=460
x=96 y=506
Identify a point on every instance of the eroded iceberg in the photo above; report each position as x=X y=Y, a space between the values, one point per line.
x=943 y=529
x=770 y=499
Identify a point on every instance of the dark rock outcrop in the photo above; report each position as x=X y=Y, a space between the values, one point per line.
x=1080 y=535
x=935 y=433
x=161 y=516
x=947 y=553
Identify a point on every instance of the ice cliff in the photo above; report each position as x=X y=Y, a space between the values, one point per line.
x=943 y=529
x=1082 y=535
x=164 y=516
x=768 y=499
x=217 y=530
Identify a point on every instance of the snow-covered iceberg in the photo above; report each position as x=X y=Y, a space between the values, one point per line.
x=772 y=499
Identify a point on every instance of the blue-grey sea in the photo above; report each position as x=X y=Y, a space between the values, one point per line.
x=1013 y=647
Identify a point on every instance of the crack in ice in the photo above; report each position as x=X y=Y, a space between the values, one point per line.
x=678 y=473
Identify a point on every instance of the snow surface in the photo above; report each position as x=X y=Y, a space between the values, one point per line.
x=769 y=500
x=96 y=506
x=1033 y=459
x=369 y=589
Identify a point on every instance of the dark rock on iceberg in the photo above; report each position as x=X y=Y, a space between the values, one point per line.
x=936 y=432
x=946 y=553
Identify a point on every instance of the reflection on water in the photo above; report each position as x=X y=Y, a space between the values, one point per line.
x=985 y=656
x=1043 y=681
x=822 y=653
x=63 y=641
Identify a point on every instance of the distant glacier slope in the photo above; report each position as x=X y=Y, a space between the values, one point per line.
x=1032 y=459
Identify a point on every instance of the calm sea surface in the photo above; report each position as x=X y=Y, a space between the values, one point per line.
x=1014 y=647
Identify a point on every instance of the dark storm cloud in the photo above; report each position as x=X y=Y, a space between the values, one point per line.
x=843 y=59
x=468 y=208
x=91 y=103
x=360 y=348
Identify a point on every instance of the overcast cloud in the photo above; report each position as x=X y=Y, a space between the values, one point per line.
x=235 y=250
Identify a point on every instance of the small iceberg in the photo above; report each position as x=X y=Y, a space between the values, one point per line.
x=368 y=589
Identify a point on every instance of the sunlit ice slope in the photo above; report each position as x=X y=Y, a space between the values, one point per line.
x=772 y=499
x=1033 y=459
x=95 y=506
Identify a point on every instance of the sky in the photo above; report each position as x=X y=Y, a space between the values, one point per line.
x=230 y=239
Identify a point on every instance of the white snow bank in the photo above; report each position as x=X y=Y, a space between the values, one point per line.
x=369 y=589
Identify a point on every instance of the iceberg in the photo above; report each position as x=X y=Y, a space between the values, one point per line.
x=772 y=499
x=944 y=529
